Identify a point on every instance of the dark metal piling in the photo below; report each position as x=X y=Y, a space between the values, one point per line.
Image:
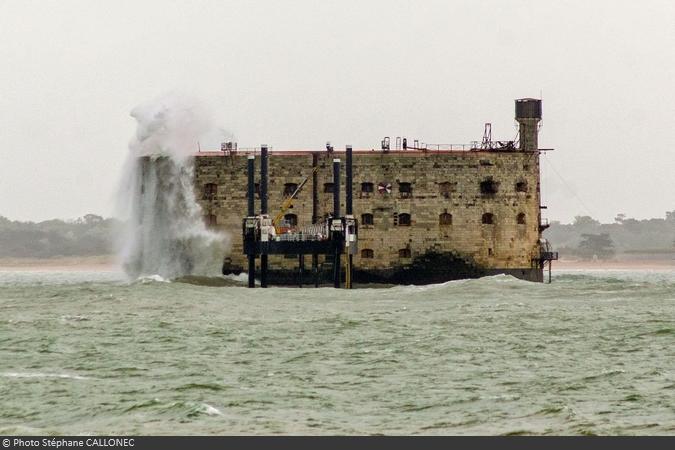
x=251 y=212
x=348 y=198
x=315 y=215
x=336 y=214
x=263 y=210
x=301 y=268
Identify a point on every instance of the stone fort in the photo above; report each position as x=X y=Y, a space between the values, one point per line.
x=425 y=213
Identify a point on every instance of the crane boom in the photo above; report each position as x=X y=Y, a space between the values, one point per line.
x=289 y=201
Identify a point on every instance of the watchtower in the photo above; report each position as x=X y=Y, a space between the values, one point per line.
x=528 y=116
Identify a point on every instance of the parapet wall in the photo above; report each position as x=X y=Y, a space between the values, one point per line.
x=452 y=195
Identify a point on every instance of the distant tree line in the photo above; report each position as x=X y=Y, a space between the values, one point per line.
x=90 y=235
x=587 y=238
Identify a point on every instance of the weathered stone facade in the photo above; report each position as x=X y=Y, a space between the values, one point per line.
x=481 y=205
x=439 y=215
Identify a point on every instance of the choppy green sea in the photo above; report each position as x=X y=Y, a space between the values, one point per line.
x=90 y=353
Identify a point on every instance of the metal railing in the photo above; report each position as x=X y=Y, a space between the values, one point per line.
x=548 y=256
x=299 y=237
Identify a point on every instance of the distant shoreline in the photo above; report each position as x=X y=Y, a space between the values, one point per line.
x=619 y=264
x=108 y=263
x=101 y=263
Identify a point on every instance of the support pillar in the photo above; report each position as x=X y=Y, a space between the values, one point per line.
x=336 y=214
x=251 y=212
x=263 y=210
x=301 y=268
x=348 y=201
x=315 y=215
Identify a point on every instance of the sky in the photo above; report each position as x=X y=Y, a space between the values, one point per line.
x=295 y=74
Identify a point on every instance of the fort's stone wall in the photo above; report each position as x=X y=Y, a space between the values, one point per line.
x=446 y=206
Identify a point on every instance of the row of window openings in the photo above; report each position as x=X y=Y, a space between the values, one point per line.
x=400 y=219
x=368 y=253
x=443 y=219
x=489 y=219
x=487 y=187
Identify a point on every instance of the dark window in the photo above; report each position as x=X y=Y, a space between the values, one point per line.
x=210 y=191
x=489 y=187
x=366 y=219
x=367 y=253
x=289 y=189
x=367 y=187
x=521 y=186
x=328 y=188
x=446 y=188
x=521 y=219
x=210 y=220
x=291 y=220
x=488 y=218
x=404 y=253
x=405 y=189
x=404 y=220
x=445 y=219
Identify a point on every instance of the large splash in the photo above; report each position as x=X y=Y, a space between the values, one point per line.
x=164 y=232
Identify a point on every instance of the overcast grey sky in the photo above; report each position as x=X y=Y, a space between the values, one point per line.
x=294 y=74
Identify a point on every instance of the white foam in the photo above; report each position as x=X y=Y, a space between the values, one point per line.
x=152 y=278
x=210 y=410
x=241 y=278
x=42 y=375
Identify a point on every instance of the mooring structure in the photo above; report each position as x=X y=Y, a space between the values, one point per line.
x=334 y=236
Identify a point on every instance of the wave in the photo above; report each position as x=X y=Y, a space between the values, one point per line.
x=152 y=279
x=181 y=408
x=164 y=230
x=43 y=375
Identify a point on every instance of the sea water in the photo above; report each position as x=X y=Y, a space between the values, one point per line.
x=91 y=353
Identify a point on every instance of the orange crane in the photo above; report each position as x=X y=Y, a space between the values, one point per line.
x=289 y=202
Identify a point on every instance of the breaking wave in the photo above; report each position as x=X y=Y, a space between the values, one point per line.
x=165 y=234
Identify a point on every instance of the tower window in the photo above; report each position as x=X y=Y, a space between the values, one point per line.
x=367 y=253
x=405 y=189
x=404 y=253
x=489 y=187
x=520 y=219
x=488 y=218
x=210 y=191
x=366 y=219
x=445 y=219
x=367 y=188
x=521 y=186
x=289 y=189
x=404 y=220
x=328 y=188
